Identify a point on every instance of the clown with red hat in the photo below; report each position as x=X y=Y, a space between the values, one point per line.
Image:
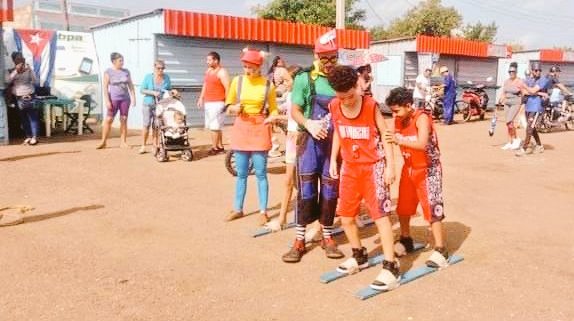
x=252 y=98
x=318 y=191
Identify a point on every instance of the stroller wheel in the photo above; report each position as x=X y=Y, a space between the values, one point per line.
x=187 y=155
x=161 y=155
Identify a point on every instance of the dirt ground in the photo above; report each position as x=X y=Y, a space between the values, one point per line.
x=117 y=236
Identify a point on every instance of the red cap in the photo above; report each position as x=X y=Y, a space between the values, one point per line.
x=252 y=56
x=327 y=42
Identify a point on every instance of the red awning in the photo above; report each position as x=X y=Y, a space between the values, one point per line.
x=203 y=25
x=461 y=47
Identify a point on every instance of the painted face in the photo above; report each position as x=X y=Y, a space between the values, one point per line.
x=348 y=98
x=401 y=111
x=327 y=61
x=251 y=69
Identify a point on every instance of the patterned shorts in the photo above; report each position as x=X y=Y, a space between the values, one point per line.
x=422 y=186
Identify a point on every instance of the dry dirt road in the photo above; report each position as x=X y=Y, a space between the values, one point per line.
x=117 y=236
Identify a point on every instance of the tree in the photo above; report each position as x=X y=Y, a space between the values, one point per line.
x=480 y=32
x=311 y=11
x=427 y=18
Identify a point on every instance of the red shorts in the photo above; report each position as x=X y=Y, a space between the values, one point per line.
x=422 y=185
x=363 y=182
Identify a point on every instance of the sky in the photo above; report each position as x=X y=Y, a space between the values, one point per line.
x=533 y=23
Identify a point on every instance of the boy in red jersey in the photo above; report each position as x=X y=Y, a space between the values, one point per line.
x=421 y=176
x=366 y=172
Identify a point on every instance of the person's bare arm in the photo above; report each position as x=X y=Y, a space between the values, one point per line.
x=132 y=92
x=423 y=135
x=335 y=149
x=224 y=78
x=106 y=84
x=388 y=147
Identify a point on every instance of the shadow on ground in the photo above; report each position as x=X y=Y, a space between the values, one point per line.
x=47 y=216
x=21 y=157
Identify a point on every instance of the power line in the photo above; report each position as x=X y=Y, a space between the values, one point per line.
x=375 y=11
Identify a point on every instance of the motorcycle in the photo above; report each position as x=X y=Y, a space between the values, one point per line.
x=474 y=101
x=555 y=116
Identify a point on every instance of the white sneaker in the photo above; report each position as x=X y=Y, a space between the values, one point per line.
x=516 y=143
x=507 y=146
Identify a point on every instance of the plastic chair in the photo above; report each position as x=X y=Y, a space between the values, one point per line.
x=73 y=115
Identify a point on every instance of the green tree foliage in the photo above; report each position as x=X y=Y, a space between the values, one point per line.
x=311 y=12
x=480 y=32
x=427 y=18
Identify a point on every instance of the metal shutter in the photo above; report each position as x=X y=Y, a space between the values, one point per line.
x=185 y=63
x=300 y=56
x=475 y=70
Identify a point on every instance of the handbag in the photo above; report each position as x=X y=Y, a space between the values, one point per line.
x=250 y=132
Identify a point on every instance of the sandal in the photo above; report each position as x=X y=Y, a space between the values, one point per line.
x=142 y=150
x=389 y=277
x=438 y=259
x=359 y=261
x=233 y=216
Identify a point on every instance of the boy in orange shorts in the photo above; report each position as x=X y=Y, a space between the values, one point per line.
x=367 y=171
x=421 y=176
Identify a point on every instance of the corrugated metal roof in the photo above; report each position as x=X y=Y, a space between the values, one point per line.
x=551 y=55
x=126 y=19
x=392 y=40
x=204 y=25
x=452 y=46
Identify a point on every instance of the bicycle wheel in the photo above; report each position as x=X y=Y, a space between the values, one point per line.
x=463 y=108
x=230 y=164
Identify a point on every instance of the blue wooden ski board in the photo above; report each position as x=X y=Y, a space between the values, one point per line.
x=334 y=275
x=262 y=231
x=411 y=275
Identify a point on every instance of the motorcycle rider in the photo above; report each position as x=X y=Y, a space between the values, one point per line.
x=557 y=90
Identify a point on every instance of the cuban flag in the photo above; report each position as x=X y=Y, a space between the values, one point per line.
x=38 y=47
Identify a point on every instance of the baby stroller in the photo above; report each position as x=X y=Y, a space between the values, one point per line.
x=172 y=128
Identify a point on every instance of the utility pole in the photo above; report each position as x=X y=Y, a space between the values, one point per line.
x=66 y=15
x=340 y=18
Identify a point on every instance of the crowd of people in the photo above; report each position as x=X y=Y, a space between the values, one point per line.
x=338 y=149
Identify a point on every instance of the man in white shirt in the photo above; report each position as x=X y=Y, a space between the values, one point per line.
x=422 y=91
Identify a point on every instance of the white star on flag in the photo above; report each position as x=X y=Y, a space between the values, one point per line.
x=36 y=39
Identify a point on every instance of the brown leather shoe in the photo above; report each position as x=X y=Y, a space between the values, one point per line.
x=331 y=250
x=233 y=216
x=295 y=253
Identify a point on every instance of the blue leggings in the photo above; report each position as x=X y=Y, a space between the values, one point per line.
x=242 y=166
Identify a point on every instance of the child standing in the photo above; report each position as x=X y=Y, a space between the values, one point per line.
x=367 y=171
x=290 y=156
x=421 y=176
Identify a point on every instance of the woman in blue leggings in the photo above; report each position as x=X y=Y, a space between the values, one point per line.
x=252 y=98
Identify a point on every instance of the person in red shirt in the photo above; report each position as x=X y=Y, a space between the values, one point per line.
x=212 y=98
x=366 y=172
x=421 y=176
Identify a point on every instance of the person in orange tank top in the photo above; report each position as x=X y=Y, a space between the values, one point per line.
x=212 y=98
x=366 y=173
x=421 y=176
